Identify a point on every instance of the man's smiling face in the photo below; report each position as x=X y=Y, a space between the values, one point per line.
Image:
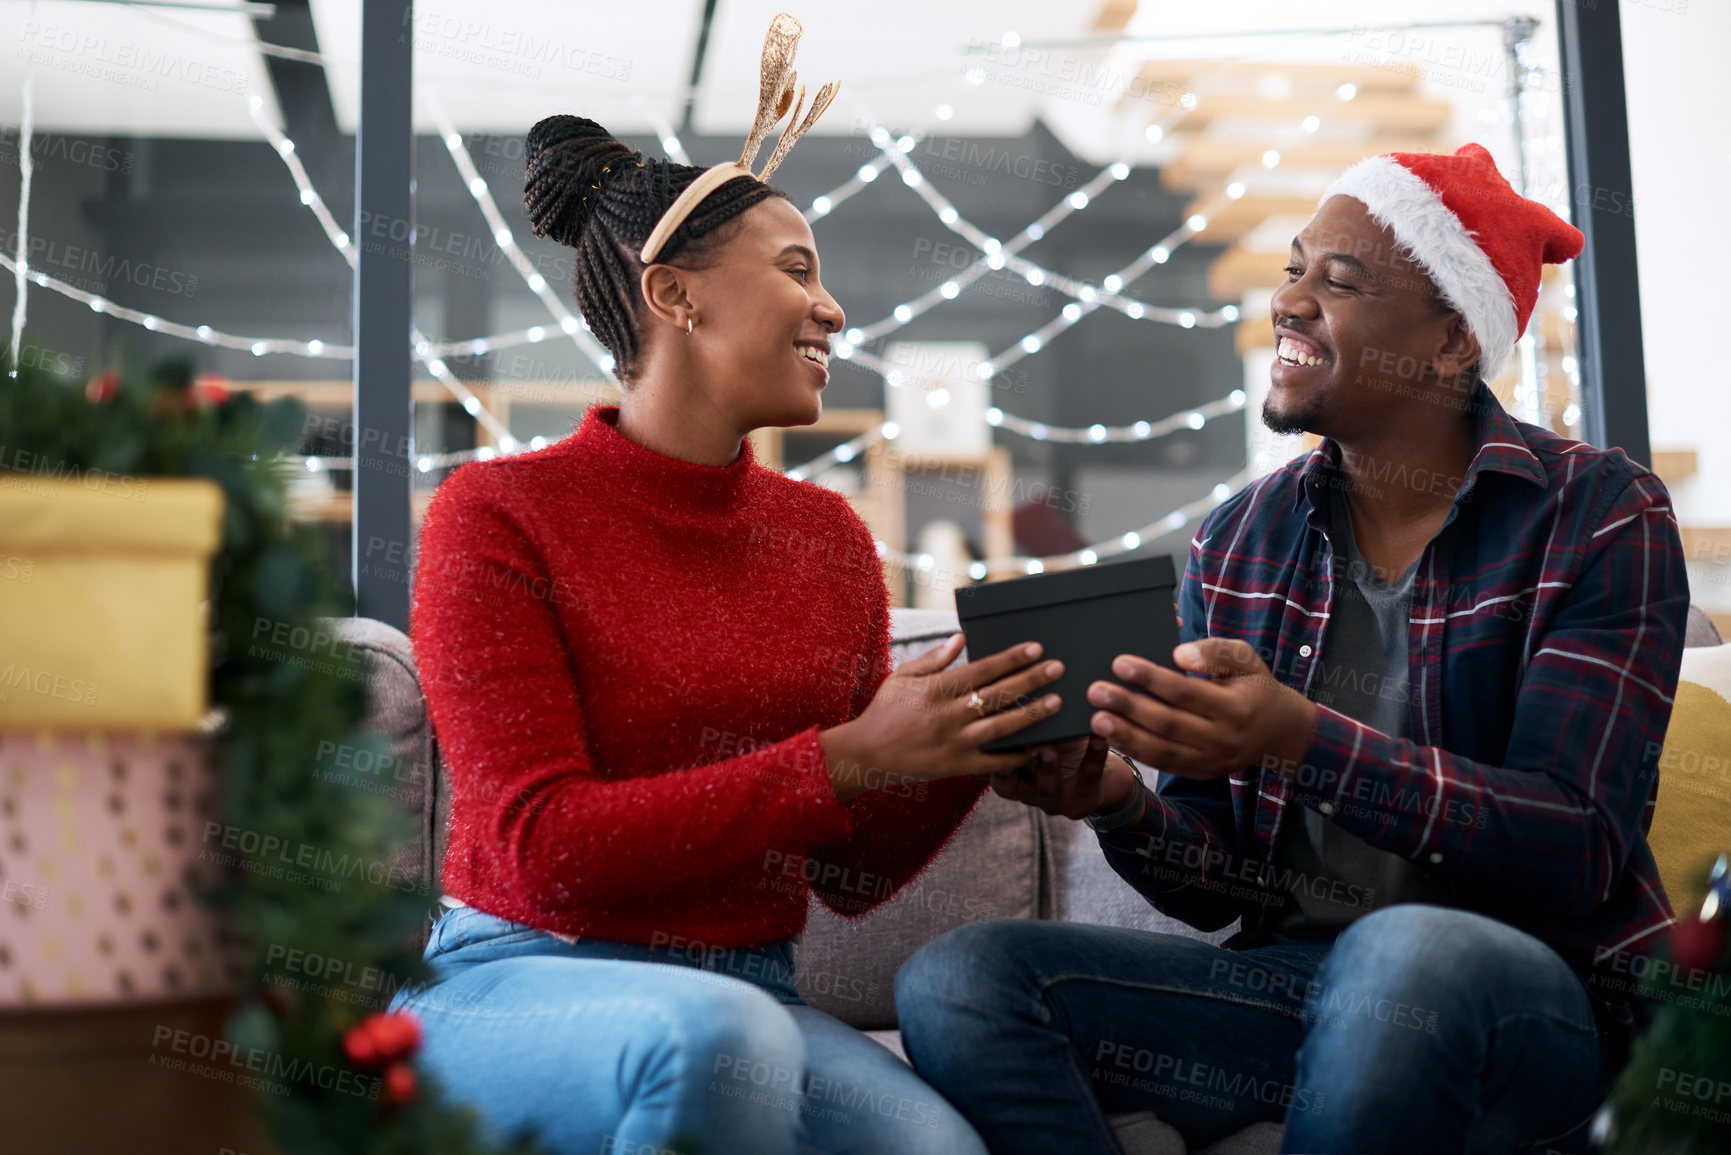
x=1357 y=326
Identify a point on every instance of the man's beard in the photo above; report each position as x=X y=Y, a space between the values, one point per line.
x=1308 y=418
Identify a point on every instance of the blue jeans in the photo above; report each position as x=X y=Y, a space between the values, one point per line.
x=609 y=1048
x=1419 y=1029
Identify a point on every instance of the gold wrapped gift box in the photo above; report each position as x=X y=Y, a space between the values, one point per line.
x=104 y=588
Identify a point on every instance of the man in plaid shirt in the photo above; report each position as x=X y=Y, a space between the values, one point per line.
x=1426 y=675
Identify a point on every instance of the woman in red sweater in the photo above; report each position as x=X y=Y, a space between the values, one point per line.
x=659 y=674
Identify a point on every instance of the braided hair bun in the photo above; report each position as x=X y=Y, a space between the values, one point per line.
x=586 y=189
x=568 y=160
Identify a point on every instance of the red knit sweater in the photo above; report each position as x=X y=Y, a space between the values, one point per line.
x=627 y=659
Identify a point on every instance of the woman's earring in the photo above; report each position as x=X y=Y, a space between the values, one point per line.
x=689 y=324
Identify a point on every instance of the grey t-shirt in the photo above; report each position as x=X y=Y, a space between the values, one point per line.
x=1332 y=877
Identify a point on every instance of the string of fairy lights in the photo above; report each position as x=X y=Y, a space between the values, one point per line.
x=344 y=244
x=1130 y=542
x=997 y=254
x=26 y=167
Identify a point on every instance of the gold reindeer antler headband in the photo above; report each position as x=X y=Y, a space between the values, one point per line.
x=775 y=96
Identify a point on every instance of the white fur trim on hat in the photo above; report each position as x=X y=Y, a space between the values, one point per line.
x=1402 y=202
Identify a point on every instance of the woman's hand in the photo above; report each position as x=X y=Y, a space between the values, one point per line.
x=920 y=725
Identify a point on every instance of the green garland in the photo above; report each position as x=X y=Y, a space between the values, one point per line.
x=1674 y=1096
x=279 y=709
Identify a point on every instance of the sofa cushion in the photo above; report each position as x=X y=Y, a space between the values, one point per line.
x=1700 y=630
x=1085 y=888
x=991 y=869
x=397 y=713
x=1693 y=815
x=847 y=966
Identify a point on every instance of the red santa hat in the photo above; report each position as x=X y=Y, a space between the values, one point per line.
x=1482 y=243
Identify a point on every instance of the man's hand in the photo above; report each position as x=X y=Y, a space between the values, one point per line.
x=1073 y=779
x=1242 y=716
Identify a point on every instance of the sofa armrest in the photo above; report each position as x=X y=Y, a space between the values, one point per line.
x=397 y=713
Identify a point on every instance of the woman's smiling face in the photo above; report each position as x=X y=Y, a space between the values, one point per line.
x=764 y=319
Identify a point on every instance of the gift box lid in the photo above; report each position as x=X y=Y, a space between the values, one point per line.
x=1036 y=590
x=110 y=513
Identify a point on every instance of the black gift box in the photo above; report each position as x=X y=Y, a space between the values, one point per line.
x=1082 y=617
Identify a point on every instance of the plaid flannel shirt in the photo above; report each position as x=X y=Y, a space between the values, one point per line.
x=1544 y=641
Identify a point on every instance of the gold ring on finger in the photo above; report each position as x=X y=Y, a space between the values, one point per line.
x=977 y=704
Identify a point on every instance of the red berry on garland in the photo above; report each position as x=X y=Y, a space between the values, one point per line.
x=399 y=1083
x=209 y=389
x=102 y=387
x=1697 y=945
x=360 y=1047
x=397 y=1034
x=382 y=1038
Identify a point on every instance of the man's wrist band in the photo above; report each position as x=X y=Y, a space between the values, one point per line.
x=1127 y=813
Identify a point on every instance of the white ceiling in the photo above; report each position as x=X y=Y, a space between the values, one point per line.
x=500 y=65
x=134 y=71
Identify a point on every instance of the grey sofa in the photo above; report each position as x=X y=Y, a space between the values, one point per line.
x=1008 y=861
